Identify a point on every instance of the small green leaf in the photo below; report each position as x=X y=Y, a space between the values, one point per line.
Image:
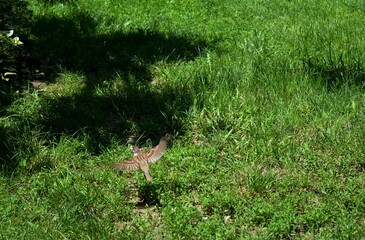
x=17 y=41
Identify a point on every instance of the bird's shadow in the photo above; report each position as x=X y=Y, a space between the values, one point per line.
x=149 y=194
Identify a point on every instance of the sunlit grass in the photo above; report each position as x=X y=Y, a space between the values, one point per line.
x=265 y=100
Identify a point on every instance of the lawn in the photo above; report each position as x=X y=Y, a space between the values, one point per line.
x=265 y=102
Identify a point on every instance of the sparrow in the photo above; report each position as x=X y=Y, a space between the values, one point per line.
x=142 y=160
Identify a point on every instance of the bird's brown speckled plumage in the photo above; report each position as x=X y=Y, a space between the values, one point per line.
x=142 y=160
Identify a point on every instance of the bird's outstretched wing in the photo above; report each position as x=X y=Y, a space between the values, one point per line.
x=156 y=153
x=129 y=165
x=151 y=156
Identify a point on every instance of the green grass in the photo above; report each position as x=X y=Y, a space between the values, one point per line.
x=265 y=100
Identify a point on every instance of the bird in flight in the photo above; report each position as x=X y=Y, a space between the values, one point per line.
x=142 y=160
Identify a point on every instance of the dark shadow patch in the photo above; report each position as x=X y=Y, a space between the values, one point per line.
x=59 y=1
x=148 y=194
x=73 y=43
x=334 y=76
x=15 y=20
x=76 y=45
x=334 y=71
x=105 y=117
x=356 y=6
x=6 y=162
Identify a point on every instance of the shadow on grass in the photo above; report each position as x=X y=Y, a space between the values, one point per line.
x=100 y=57
x=149 y=193
x=335 y=72
x=74 y=43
